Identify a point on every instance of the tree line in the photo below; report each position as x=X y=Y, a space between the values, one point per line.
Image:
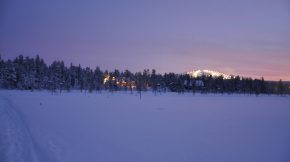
x=26 y=73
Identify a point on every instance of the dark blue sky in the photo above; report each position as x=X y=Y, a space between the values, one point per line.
x=245 y=37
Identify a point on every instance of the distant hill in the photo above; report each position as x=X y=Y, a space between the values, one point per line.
x=198 y=73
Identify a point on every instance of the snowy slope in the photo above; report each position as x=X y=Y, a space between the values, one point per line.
x=198 y=73
x=79 y=127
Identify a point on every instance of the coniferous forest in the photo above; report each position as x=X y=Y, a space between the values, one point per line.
x=25 y=73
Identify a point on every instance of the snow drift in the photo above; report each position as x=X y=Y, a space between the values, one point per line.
x=79 y=127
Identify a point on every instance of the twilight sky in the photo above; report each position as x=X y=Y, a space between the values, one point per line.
x=242 y=37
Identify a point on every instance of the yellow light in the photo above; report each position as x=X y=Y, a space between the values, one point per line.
x=106 y=79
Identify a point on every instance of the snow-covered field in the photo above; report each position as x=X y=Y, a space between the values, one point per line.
x=119 y=127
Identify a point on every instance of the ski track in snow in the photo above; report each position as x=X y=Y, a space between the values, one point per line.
x=17 y=143
x=113 y=127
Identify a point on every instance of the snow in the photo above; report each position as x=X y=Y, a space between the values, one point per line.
x=199 y=73
x=117 y=127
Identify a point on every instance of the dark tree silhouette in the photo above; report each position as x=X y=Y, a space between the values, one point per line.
x=27 y=73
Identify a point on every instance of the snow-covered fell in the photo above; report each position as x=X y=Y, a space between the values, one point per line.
x=198 y=73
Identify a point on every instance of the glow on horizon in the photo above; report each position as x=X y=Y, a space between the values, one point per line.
x=239 y=37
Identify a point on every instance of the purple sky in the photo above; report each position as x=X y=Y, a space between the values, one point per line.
x=243 y=37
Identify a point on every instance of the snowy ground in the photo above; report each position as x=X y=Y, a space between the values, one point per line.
x=79 y=127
